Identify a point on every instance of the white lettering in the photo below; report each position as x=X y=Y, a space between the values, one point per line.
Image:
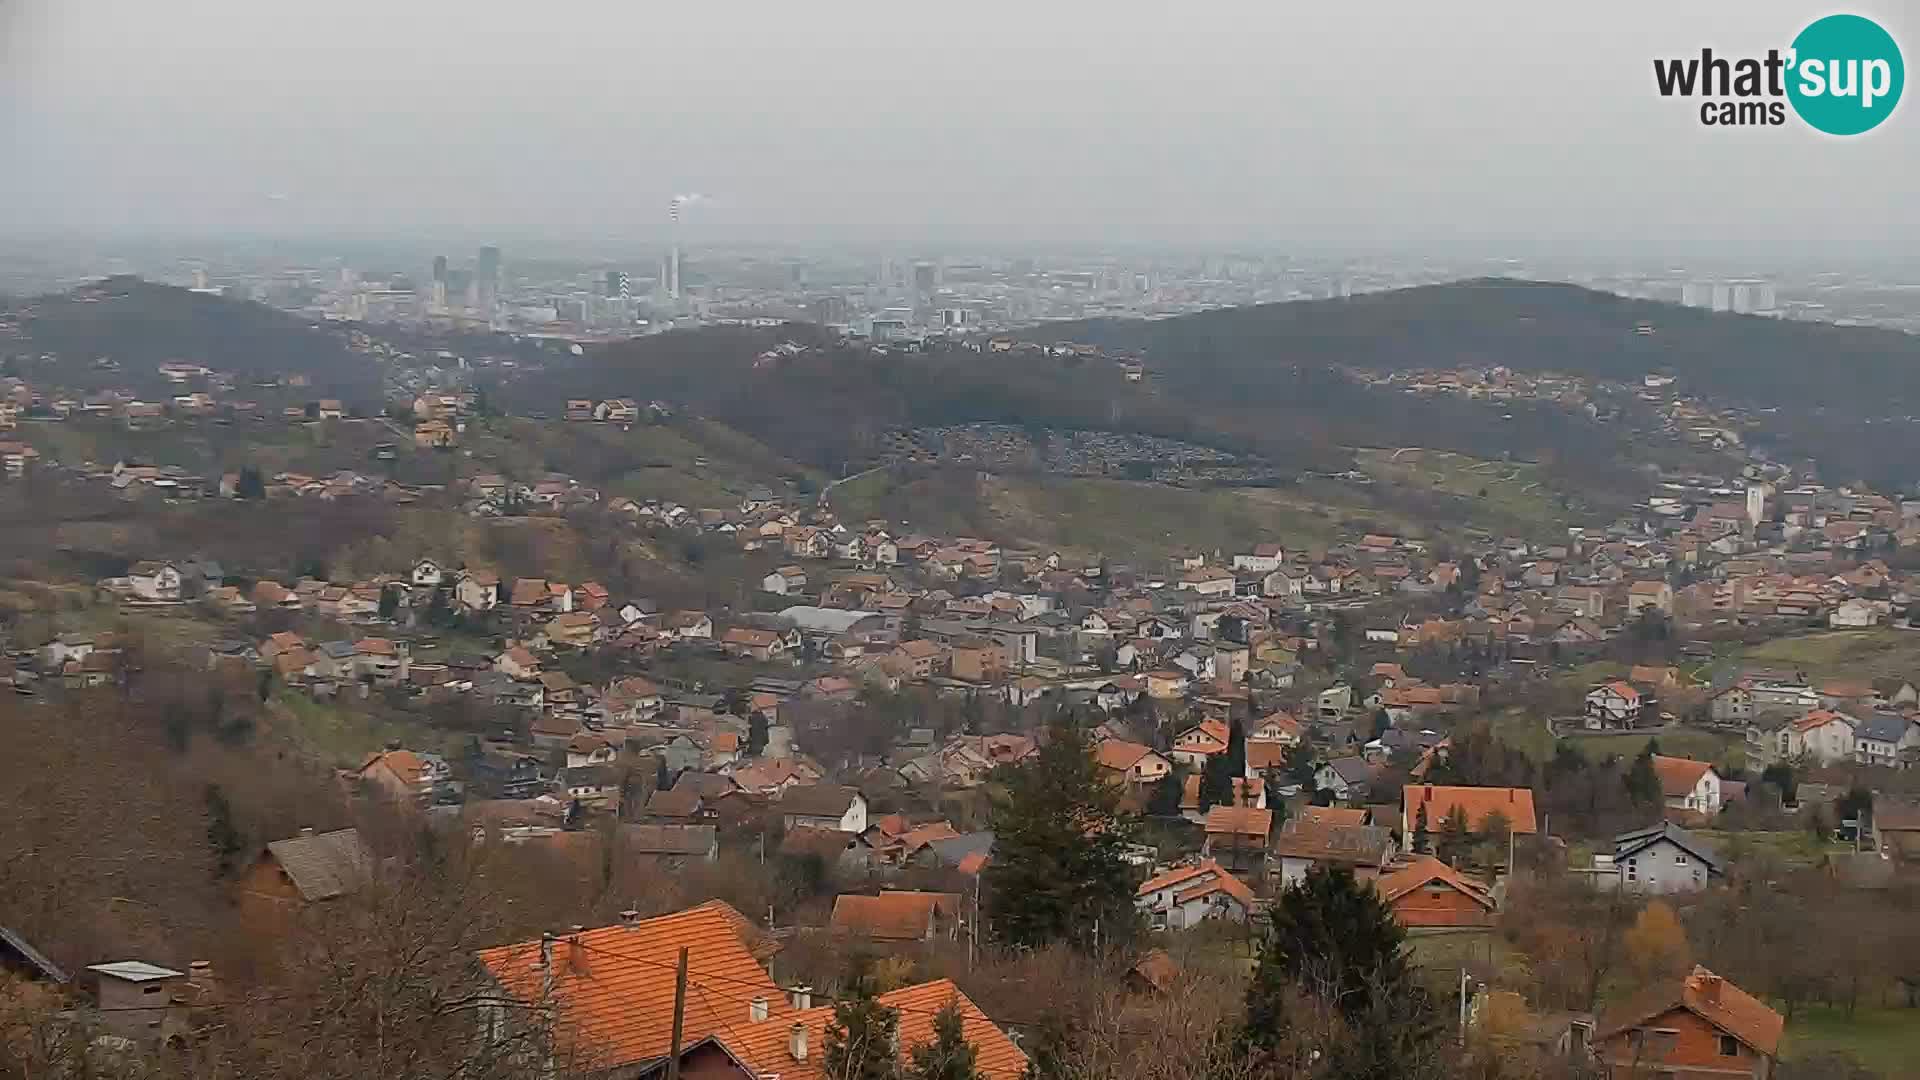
x=1813 y=77
x=1879 y=80
x=1848 y=86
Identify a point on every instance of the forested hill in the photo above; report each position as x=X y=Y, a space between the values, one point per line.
x=1530 y=326
x=141 y=325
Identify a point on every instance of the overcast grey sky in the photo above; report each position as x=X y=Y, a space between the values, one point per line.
x=1529 y=118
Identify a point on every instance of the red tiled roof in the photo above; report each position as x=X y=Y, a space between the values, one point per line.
x=1713 y=999
x=765 y=1046
x=1239 y=821
x=1476 y=802
x=1224 y=883
x=1333 y=815
x=1679 y=776
x=613 y=986
x=1119 y=755
x=1425 y=869
x=892 y=916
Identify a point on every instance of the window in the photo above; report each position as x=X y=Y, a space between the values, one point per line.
x=1729 y=1046
x=1679 y=860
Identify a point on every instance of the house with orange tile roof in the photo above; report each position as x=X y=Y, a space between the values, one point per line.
x=1126 y=762
x=1195 y=745
x=1245 y=793
x=793 y=1048
x=1427 y=893
x=762 y=645
x=1693 y=1027
x=1477 y=803
x=1687 y=784
x=1238 y=836
x=401 y=775
x=1282 y=728
x=897 y=915
x=1186 y=896
x=612 y=993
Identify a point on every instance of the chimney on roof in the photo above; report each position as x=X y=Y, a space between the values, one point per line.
x=757 y=1011
x=306 y=832
x=200 y=977
x=630 y=917
x=1705 y=983
x=797 y=1042
x=546 y=951
x=801 y=996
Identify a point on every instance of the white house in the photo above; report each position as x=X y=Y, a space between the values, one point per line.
x=1822 y=736
x=1854 y=614
x=1687 y=784
x=1186 y=896
x=1614 y=704
x=1346 y=777
x=1266 y=558
x=1195 y=745
x=1208 y=582
x=785 y=581
x=824 y=806
x=479 y=590
x=427 y=574
x=1335 y=700
x=1276 y=727
x=1879 y=739
x=155 y=580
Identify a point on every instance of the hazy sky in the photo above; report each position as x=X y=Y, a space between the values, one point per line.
x=1527 y=119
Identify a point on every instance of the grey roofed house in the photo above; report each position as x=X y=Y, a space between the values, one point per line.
x=324 y=865
x=955 y=848
x=1628 y=844
x=18 y=954
x=1882 y=728
x=693 y=841
x=708 y=785
x=1354 y=770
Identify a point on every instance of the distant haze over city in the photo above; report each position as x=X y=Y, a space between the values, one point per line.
x=1503 y=127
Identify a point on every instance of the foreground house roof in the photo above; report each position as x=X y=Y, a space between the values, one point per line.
x=324 y=865
x=1709 y=997
x=613 y=991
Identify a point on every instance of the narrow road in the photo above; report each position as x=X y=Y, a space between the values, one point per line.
x=828 y=490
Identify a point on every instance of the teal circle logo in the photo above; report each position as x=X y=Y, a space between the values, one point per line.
x=1846 y=75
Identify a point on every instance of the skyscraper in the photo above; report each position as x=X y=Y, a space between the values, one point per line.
x=487 y=277
x=670 y=273
x=440 y=268
x=619 y=286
